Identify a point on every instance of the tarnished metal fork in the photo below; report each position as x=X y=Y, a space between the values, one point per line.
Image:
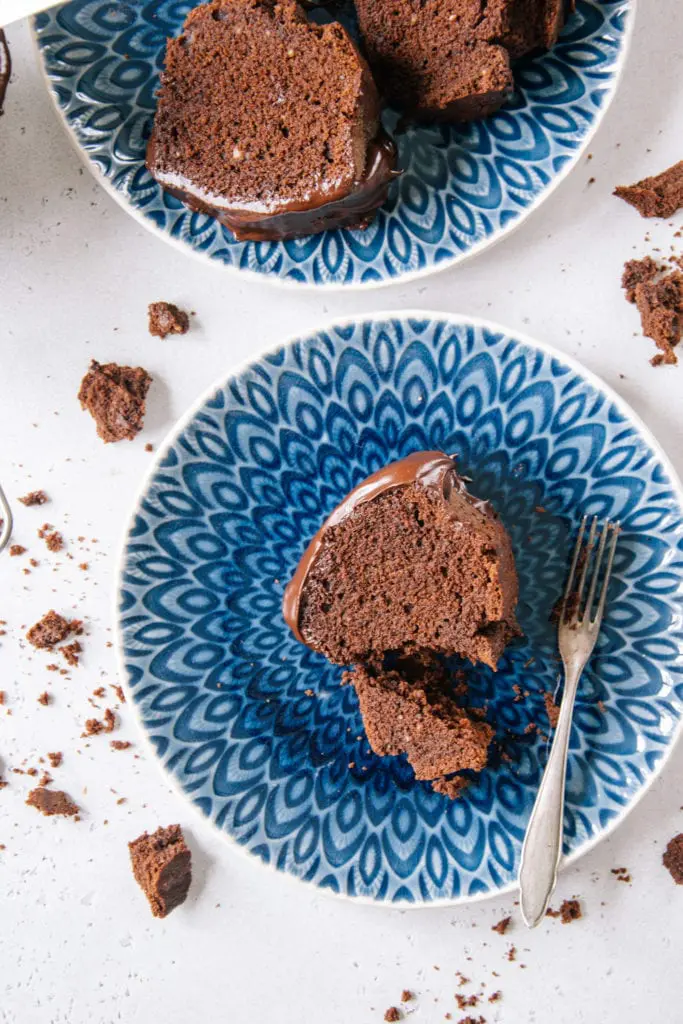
x=5 y=520
x=577 y=634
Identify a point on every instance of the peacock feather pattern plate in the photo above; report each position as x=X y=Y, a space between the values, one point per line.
x=258 y=731
x=462 y=188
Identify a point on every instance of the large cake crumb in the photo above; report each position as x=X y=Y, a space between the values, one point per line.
x=162 y=867
x=570 y=910
x=165 y=319
x=115 y=398
x=658 y=196
x=51 y=630
x=672 y=859
x=52 y=802
x=34 y=498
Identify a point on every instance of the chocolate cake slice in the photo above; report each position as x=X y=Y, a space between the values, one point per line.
x=419 y=720
x=409 y=562
x=529 y=26
x=270 y=122
x=438 y=59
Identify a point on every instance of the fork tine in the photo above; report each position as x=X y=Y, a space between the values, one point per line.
x=616 y=530
x=596 y=570
x=590 y=544
x=572 y=571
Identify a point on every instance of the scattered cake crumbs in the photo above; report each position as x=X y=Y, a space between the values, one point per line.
x=16 y=550
x=495 y=997
x=118 y=690
x=570 y=910
x=53 y=538
x=512 y=953
x=462 y=980
x=392 y=1014
x=71 y=652
x=93 y=726
x=149 y=447
x=84 y=566
x=34 y=498
x=45 y=779
x=465 y=1002
x=502 y=925
x=44 y=698
x=552 y=709
x=672 y=858
x=120 y=744
x=472 y=1020
x=621 y=874
x=658 y=196
x=165 y=319
x=55 y=758
x=52 y=802
x=99 y=692
x=407 y=995
x=115 y=398
x=162 y=868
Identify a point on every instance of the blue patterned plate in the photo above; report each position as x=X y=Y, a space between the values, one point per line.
x=256 y=729
x=462 y=188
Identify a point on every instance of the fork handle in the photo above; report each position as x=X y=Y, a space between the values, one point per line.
x=543 y=841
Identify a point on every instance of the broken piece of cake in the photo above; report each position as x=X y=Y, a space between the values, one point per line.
x=115 y=398
x=162 y=865
x=658 y=196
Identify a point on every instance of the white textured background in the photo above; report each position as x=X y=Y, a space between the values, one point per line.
x=77 y=942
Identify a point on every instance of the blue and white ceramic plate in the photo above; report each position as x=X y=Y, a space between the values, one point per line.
x=257 y=730
x=461 y=190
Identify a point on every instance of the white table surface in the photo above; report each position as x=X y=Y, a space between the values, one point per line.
x=77 y=942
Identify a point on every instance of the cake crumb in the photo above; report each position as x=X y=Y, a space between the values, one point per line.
x=44 y=698
x=115 y=398
x=162 y=866
x=99 y=692
x=570 y=910
x=149 y=447
x=495 y=997
x=502 y=926
x=511 y=953
x=465 y=1002
x=636 y=272
x=55 y=758
x=16 y=550
x=71 y=652
x=672 y=858
x=462 y=980
x=165 y=318
x=552 y=709
x=392 y=1014
x=660 y=304
x=34 y=498
x=621 y=874
x=120 y=744
x=407 y=995
x=52 y=802
x=657 y=196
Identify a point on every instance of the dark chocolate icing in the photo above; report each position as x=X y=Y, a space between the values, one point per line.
x=432 y=470
x=293 y=220
x=5 y=67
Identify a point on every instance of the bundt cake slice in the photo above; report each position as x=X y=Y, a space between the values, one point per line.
x=409 y=562
x=438 y=59
x=269 y=122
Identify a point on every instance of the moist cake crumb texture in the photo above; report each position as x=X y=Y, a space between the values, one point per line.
x=672 y=858
x=115 y=398
x=165 y=319
x=49 y=631
x=162 y=868
x=52 y=802
x=658 y=196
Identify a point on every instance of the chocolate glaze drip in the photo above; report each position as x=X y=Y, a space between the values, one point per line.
x=432 y=470
x=5 y=67
x=318 y=213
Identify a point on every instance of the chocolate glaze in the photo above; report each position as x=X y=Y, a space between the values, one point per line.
x=293 y=220
x=5 y=67
x=432 y=470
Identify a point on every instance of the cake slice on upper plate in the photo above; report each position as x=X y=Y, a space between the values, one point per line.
x=269 y=122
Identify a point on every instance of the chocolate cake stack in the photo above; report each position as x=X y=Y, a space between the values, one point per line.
x=270 y=122
x=409 y=570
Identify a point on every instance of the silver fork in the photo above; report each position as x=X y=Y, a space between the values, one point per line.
x=5 y=520
x=578 y=631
